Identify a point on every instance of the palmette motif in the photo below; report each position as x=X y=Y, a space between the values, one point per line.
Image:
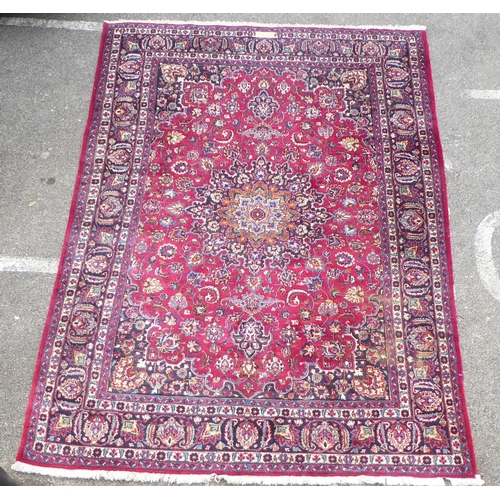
x=256 y=278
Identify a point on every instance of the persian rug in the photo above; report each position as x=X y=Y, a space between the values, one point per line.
x=256 y=278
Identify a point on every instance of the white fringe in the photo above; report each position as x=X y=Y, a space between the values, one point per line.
x=199 y=479
x=251 y=24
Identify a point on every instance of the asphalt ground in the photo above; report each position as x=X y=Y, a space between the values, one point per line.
x=46 y=77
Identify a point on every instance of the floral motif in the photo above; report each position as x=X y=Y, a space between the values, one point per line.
x=258 y=216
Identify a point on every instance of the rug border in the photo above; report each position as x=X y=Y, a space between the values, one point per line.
x=248 y=480
x=448 y=250
x=186 y=477
x=69 y=226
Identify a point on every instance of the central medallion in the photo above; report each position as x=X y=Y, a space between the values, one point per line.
x=258 y=216
x=259 y=213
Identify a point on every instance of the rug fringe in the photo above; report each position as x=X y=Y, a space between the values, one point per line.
x=199 y=479
x=251 y=24
x=144 y=477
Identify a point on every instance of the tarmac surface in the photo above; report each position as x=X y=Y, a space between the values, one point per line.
x=46 y=77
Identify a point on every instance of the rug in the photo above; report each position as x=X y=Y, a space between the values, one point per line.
x=256 y=280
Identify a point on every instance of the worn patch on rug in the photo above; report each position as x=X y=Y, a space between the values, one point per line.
x=256 y=278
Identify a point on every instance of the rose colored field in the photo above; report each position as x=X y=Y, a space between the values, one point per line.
x=256 y=279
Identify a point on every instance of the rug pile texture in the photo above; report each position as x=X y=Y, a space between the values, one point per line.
x=256 y=279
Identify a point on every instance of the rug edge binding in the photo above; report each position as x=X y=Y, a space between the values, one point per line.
x=206 y=479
